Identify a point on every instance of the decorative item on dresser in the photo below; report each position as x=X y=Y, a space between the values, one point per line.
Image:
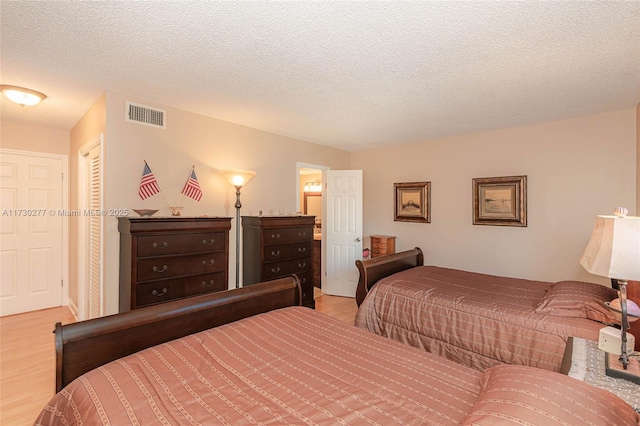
x=277 y=246
x=163 y=259
x=382 y=245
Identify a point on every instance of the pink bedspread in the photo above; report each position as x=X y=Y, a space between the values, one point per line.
x=474 y=319
x=290 y=366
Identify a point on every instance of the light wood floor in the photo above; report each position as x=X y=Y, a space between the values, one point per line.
x=27 y=356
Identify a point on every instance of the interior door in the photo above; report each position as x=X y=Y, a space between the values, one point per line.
x=31 y=228
x=91 y=230
x=342 y=231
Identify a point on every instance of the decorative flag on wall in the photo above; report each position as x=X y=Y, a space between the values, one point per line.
x=192 y=187
x=148 y=183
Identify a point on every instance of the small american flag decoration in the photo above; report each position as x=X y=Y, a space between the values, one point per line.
x=192 y=187
x=148 y=183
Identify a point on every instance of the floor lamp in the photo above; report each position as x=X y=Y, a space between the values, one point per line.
x=238 y=178
x=614 y=251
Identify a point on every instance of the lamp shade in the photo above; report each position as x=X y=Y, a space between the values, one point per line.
x=614 y=248
x=238 y=177
x=21 y=95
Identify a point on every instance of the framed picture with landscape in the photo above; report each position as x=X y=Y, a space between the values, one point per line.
x=500 y=201
x=413 y=202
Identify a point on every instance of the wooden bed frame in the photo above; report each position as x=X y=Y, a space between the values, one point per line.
x=373 y=270
x=85 y=345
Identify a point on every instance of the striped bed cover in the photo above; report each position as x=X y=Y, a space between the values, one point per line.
x=289 y=366
x=474 y=319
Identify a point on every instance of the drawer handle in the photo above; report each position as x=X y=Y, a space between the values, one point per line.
x=275 y=252
x=275 y=236
x=155 y=292
x=204 y=283
x=164 y=268
x=302 y=249
x=302 y=234
x=275 y=270
x=302 y=265
x=211 y=262
x=163 y=246
x=210 y=243
x=302 y=281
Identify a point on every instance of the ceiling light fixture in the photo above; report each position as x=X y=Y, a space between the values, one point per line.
x=22 y=96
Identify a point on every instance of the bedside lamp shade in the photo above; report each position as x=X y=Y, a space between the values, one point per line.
x=614 y=248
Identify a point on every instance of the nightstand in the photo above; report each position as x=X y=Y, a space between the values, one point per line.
x=585 y=362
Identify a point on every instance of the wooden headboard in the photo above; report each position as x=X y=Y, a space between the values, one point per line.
x=373 y=270
x=85 y=345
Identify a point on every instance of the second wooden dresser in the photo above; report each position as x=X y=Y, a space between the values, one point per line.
x=163 y=259
x=277 y=246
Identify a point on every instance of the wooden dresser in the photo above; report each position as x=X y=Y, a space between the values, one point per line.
x=163 y=259
x=277 y=246
x=317 y=261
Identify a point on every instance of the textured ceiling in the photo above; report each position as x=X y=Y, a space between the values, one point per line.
x=352 y=75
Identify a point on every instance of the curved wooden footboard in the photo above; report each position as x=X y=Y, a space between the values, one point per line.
x=85 y=345
x=373 y=270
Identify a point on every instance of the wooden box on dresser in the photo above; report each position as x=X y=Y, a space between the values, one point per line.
x=163 y=259
x=277 y=246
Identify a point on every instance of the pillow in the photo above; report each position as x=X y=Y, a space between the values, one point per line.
x=579 y=300
x=518 y=394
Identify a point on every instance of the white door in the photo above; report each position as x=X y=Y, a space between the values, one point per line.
x=31 y=231
x=342 y=231
x=91 y=229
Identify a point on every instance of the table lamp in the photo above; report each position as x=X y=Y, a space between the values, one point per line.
x=614 y=251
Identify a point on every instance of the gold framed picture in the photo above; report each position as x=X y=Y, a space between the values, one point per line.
x=500 y=201
x=413 y=202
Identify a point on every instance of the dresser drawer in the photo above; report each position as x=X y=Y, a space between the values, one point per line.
x=287 y=235
x=306 y=280
x=200 y=284
x=274 y=270
x=158 y=292
x=159 y=245
x=158 y=268
x=287 y=251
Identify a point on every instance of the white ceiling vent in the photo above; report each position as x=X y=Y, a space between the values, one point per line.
x=144 y=115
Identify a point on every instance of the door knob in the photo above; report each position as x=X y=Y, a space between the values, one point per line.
x=357 y=240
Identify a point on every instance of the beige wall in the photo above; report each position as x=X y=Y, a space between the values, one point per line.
x=210 y=145
x=33 y=138
x=576 y=169
x=90 y=126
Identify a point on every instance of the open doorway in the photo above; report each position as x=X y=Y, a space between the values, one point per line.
x=340 y=228
x=311 y=202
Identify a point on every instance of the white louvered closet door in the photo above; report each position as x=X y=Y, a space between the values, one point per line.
x=90 y=286
x=93 y=235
